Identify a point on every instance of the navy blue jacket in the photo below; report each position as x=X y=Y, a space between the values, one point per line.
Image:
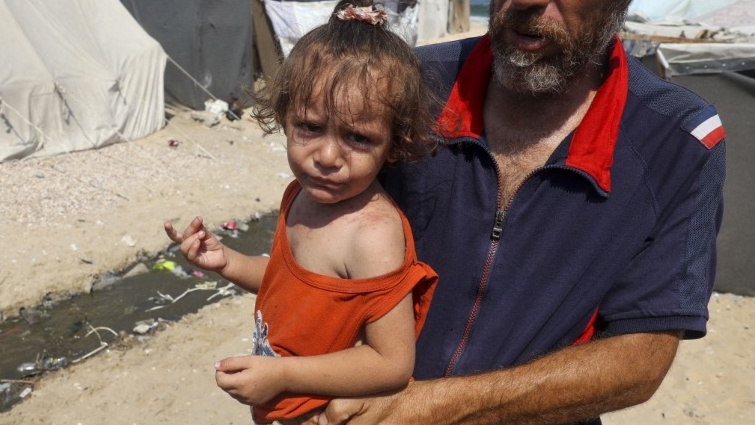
x=615 y=234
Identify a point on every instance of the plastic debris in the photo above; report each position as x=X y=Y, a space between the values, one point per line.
x=229 y=225
x=42 y=365
x=173 y=143
x=145 y=326
x=164 y=265
x=27 y=368
x=128 y=240
x=25 y=393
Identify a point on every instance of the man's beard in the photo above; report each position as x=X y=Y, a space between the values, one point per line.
x=535 y=73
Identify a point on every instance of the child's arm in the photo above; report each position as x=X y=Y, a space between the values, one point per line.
x=202 y=249
x=385 y=362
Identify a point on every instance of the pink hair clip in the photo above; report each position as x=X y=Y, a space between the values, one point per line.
x=367 y=14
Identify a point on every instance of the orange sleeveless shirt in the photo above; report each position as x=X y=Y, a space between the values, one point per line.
x=300 y=313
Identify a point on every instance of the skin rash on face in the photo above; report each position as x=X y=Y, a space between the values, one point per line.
x=337 y=152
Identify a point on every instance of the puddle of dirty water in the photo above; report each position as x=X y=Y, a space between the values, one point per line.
x=53 y=335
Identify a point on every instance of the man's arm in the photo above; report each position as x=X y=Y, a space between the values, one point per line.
x=576 y=383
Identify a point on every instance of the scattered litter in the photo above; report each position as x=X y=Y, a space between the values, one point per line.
x=137 y=270
x=283 y=175
x=86 y=260
x=207 y=286
x=9 y=331
x=164 y=265
x=104 y=281
x=197 y=273
x=27 y=368
x=225 y=291
x=230 y=225
x=173 y=143
x=25 y=393
x=33 y=315
x=213 y=113
x=145 y=326
x=41 y=365
x=128 y=240
x=103 y=344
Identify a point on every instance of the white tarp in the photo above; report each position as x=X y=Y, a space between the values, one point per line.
x=735 y=15
x=723 y=33
x=75 y=75
x=292 y=19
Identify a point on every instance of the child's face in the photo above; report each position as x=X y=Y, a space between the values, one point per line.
x=337 y=156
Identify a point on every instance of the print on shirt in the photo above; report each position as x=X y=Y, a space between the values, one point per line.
x=260 y=344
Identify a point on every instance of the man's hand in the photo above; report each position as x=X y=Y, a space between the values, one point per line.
x=410 y=405
x=570 y=385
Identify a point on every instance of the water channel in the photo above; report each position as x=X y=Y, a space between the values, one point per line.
x=55 y=334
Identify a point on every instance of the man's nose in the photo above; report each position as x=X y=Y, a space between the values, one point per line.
x=528 y=4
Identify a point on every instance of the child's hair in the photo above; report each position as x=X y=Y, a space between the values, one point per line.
x=345 y=54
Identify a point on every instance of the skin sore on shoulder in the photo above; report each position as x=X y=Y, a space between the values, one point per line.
x=378 y=244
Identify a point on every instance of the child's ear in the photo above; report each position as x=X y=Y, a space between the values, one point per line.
x=392 y=158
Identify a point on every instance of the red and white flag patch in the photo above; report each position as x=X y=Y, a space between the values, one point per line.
x=706 y=127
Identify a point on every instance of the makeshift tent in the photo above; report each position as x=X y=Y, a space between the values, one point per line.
x=209 y=44
x=694 y=36
x=707 y=46
x=76 y=74
x=292 y=19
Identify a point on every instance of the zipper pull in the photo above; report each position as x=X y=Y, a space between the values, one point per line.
x=498 y=225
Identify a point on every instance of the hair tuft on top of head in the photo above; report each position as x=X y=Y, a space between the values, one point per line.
x=368 y=14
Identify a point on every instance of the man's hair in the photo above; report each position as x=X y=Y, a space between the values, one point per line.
x=344 y=55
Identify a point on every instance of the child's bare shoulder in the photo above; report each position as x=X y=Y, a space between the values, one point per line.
x=378 y=244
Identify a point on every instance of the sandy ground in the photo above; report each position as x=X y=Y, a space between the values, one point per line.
x=67 y=219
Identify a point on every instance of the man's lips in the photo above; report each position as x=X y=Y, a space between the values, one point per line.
x=523 y=39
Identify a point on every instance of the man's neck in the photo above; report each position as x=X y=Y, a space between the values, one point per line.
x=516 y=121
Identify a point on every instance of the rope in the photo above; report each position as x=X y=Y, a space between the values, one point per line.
x=83 y=105
x=198 y=84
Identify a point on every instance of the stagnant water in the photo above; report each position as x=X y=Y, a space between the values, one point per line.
x=63 y=332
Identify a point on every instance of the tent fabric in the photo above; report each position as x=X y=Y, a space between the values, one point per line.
x=76 y=75
x=211 y=41
x=721 y=34
x=736 y=15
x=719 y=66
x=292 y=19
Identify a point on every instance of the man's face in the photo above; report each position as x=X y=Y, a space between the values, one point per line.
x=540 y=46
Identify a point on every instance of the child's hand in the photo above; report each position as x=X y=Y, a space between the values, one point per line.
x=200 y=247
x=252 y=380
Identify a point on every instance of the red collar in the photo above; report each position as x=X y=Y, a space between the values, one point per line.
x=592 y=146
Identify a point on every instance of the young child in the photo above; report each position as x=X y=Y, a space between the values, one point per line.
x=342 y=269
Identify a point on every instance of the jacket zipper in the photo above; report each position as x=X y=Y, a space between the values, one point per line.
x=500 y=217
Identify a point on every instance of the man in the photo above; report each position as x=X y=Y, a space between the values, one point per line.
x=571 y=217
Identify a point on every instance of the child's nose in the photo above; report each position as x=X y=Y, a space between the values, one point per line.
x=329 y=153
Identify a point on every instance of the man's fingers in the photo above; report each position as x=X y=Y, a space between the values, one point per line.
x=340 y=411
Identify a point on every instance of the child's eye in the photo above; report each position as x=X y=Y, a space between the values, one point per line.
x=307 y=127
x=359 y=139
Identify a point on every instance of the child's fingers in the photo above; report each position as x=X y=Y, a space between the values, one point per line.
x=193 y=227
x=172 y=232
x=191 y=246
x=231 y=365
